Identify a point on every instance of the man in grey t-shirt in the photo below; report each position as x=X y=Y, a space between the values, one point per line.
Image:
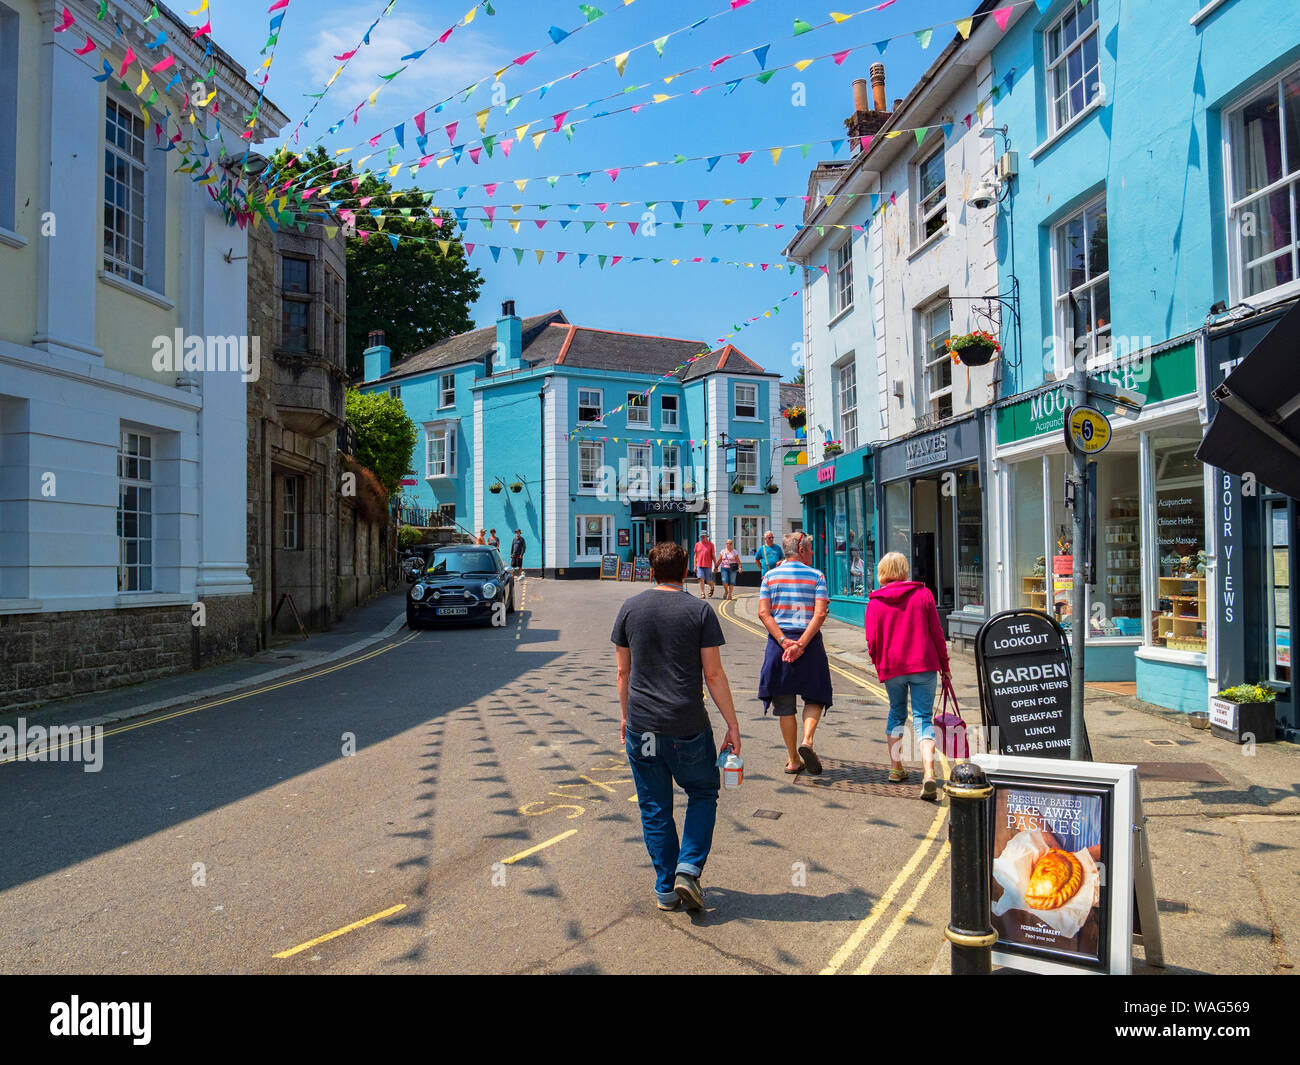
x=668 y=648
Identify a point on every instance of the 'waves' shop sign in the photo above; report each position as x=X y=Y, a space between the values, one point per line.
x=1023 y=666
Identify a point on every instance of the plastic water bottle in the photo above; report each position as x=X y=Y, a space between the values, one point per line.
x=733 y=770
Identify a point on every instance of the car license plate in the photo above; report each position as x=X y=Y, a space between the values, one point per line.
x=452 y=611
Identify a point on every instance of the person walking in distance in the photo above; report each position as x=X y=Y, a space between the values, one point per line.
x=729 y=566
x=768 y=556
x=704 y=563
x=792 y=605
x=907 y=646
x=517 y=547
x=493 y=540
x=667 y=649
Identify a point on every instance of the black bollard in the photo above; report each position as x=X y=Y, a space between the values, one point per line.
x=970 y=930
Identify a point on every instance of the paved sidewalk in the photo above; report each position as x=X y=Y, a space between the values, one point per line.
x=363 y=626
x=1225 y=851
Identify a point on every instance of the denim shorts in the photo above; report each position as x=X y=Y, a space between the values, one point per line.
x=705 y=573
x=727 y=576
x=922 y=687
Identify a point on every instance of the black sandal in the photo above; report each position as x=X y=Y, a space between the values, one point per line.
x=810 y=760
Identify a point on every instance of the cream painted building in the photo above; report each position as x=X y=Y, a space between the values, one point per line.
x=122 y=486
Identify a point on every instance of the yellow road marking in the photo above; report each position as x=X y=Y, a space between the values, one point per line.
x=859 y=934
x=160 y=718
x=339 y=932
x=901 y=917
x=541 y=846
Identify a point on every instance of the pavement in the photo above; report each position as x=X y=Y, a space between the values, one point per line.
x=457 y=800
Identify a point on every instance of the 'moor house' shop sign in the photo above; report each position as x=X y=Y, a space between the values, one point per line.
x=1024 y=680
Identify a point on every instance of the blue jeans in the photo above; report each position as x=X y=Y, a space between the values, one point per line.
x=657 y=761
x=922 y=687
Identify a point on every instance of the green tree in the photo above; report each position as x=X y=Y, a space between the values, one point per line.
x=385 y=435
x=416 y=293
x=798 y=378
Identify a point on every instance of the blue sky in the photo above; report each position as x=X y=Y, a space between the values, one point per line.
x=697 y=301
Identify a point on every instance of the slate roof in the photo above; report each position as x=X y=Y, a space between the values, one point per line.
x=476 y=345
x=792 y=395
x=551 y=340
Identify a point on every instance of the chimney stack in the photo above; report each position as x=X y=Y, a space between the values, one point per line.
x=877 y=86
x=860 y=93
x=507 y=308
x=375 y=338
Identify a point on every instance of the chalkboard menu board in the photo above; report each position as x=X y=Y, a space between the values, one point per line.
x=625 y=571
x=609 y=567
x=1023 y=664
x=642 y=570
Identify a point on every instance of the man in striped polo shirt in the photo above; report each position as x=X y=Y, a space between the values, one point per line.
x=792 y=605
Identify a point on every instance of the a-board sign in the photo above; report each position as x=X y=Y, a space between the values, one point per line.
x=1068 y=857
x=625 y=571
x=1022 y=661
x=609 y=567
x=641 y=571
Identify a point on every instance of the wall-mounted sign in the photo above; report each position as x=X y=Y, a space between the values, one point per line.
x=958 y=443
x=624 y=537
x=1069 y=856
x=826 y=472
x=927 y=450
x=642 y=507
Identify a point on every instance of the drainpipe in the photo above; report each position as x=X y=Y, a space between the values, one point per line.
x=541 y=443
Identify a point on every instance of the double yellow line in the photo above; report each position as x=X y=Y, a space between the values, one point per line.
x=900 y=916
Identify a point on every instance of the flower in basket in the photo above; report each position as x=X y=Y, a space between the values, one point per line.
x=738 y=487
x=796 y=416
x=832 y=449
x=517 y=487
x=973 y=349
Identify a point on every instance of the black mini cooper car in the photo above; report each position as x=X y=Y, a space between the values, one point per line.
x=460 y=583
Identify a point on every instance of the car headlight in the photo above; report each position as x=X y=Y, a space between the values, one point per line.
x=417 y=593
x=489 y=590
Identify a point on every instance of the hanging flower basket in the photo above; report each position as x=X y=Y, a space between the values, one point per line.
x=772 y=489
x=517 y=487
x=495 y=487
x=738 y=488
x=796 y=416
x=974 y=349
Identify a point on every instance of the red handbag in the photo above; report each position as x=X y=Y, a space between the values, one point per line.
x=950 y=729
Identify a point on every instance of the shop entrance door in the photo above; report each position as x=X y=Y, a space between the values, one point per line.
x=819 y=539
x=665 y=531
x=932 y=539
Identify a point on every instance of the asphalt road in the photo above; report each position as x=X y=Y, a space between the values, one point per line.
x=456 y=801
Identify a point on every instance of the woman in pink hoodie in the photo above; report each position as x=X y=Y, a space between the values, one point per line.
x=907 y=646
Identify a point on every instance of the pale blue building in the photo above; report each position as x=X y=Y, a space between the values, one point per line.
x=591 y=442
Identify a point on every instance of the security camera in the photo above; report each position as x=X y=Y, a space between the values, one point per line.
x=984 y=196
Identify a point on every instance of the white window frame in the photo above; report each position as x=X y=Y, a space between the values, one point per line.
x=640 y=456
x=930 y=361
x=743 y=545
x=640 y=403
x=665 y=410
x=135 y=459
x=933 y=206
x=8 y=117
x=1240 y=201
x=737 y=403
x=289 y=502
x=446 y=433
x=606 y=536
x=446 y=392
x=747 y=464
x=842 y=277
x=599 y=393
x=395 y=391
x=597 y=448
x=1099 y=351
x=671 y=472
x=1089 y=77
x=135 y=169
x=847 y=396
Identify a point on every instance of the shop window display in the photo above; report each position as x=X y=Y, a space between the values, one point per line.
x=970 y=550
x=1027 y=547
x=1179 y=619
x=858 y=549
x=1116 y=600
x=839 y=574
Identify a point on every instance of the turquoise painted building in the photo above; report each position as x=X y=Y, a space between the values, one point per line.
x=591 y=442
x=1147 y=179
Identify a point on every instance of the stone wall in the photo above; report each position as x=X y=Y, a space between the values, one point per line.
x=53 y=656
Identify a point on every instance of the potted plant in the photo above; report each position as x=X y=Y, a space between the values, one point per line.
x=1244 y=713
x=796 y=416
x=772 y=487
x=973 y=349
x=831 y=450
x=738 y=488
x=517 y=487
x=496 y=486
